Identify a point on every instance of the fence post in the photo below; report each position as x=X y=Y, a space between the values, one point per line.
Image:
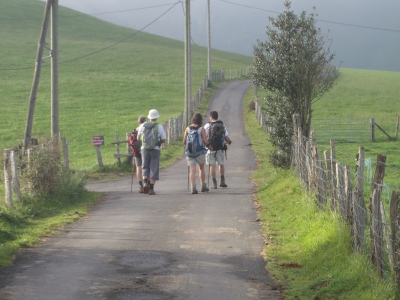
x=65 y=152
x=333 y=177
x=396 y=135
x=7 y=177
x=372 y=124
x=328 y=165
x=379 y=172
x=340 y=190
x=14 y=173
x=376 y=232
x=359 y=206
x=117 y=149
x=348 y=194
x=395 y=237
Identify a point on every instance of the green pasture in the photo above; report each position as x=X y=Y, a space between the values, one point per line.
x=100 y=94
x=308 y=250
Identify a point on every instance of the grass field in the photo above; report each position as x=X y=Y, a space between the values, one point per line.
x=101 y=94
x=308 y=251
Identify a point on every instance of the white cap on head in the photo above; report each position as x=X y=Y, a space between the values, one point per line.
x=153 y=114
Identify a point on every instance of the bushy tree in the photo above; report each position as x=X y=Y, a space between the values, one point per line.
x=294 y=66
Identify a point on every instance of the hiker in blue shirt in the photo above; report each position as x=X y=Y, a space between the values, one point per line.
x=195 y=141
x=152 y=136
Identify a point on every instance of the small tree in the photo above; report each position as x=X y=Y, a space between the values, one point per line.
x=293 y=66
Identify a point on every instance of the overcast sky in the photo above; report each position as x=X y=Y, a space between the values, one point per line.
x=365 y=33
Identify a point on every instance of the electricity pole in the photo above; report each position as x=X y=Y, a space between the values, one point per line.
x=36 y=76
x=188 y=75
x=209 y=43
x=55 y=128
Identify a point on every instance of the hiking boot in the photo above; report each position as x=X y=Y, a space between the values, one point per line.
x=223 y=184
x=214 y=185
x=204 y=188
x=151 y=192
x=145 y=189
x=194 y=190
x=141 y=189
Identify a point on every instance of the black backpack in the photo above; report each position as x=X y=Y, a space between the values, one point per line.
x=216 y=135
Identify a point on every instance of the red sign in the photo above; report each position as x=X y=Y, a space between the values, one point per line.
x=98 y=140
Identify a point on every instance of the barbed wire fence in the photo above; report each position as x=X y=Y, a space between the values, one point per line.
x=358 y=195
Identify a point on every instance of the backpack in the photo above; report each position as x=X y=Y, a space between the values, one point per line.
x=194 y=147
x=216 y=135
x=150 y=135
x=135 y=144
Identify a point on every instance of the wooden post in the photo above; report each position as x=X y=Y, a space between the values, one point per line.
x=333 y=177
x=387 y=235
x=318 y=175
x=379 y=172
x=376 y=232
x=396 y=134
x=348 y=194
x=55 y=127
x=329 y=185
x=117 y=148
x=340 y=190
x=99 y=158
x=395 y=237
x=65 y=152
x=14 y=173
x=7 y=177
x=36 y=76
x=128 y=148
x=372 y=125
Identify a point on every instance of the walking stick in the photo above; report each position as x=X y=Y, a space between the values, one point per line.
x=209 y=166
x=188 y=176
x=133 y=167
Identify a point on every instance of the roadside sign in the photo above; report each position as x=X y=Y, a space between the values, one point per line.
x=98 y=140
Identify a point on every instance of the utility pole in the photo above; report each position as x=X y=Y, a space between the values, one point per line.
x=55 y=128
x=188 y=79
x=209 y=44
x=36 y=76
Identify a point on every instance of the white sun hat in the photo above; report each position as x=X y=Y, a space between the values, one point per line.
x=153 y=114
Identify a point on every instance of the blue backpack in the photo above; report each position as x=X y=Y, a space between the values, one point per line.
x=193 y=146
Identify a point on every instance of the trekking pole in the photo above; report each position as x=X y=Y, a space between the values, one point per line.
x=133 y=167
x=188 y=176
x=209 y=166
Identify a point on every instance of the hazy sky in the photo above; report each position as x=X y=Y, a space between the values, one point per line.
x=365 y=33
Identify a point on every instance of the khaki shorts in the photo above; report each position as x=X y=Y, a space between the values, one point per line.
x=215 y=158
x=198 y=159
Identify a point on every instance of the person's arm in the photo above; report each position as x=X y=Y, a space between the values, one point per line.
x=185 y=136
x=227 y=138
x=204 y=136
x=163 y=136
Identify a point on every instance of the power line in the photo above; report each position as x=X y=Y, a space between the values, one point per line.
x=105 y=48
x=324 y=21
x=95 y=14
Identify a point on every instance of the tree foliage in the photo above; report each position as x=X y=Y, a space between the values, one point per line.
x=294 y=66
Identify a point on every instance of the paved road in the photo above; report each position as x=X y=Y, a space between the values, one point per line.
x=173 y=245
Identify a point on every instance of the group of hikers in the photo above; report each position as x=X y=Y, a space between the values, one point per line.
x=203 y=145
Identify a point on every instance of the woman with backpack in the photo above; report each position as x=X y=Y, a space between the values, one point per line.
x=196 y=145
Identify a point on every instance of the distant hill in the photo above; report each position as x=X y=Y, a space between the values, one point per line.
x=109 y=75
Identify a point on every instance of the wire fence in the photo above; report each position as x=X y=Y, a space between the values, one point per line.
x=367 y=205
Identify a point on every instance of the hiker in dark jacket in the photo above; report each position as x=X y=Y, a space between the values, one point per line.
x=215 y=154
x=193 y=156
x=151 y=150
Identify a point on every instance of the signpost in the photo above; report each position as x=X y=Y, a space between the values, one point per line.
x=97 y=142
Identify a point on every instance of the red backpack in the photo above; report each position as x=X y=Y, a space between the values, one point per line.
x=135 y=144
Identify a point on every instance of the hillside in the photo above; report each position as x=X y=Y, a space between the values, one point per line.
x=100 y=94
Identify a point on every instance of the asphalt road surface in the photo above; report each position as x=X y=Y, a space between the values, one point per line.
x=172 y=245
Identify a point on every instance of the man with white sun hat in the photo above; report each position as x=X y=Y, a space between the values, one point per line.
x=152 y=136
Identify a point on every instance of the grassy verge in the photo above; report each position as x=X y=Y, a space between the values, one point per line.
x=308 y=251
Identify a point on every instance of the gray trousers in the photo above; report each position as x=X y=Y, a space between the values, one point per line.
x=151 y=163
